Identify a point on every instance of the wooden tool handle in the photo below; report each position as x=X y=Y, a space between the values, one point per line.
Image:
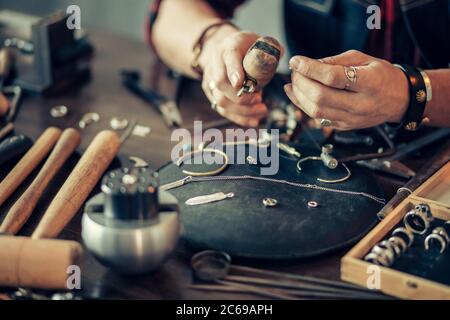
x=39 y=263
x=261 y=61
x=4 y=105
x=29 y=162
x=22 y=209
x=79 y=184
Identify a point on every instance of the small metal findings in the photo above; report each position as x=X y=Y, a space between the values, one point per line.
x=312 y=204
x=441 y=236
x=328 y=160
x=59 y=111
x=88 y=119
x=289 y=150
x=141 y=131
x=269 y=202
x=118 y=123
x=251 y=160
x=138 y=162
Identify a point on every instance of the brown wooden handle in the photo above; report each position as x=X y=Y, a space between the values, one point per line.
x=261 y=61
x=39 y=264
x=79 y=184
x=22 y=209
x=29 y=162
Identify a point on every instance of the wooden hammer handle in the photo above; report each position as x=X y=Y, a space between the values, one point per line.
x=22 y=209
x=79 y=184
x=29 y=162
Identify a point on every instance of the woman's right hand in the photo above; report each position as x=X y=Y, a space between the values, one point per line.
x=223 y=76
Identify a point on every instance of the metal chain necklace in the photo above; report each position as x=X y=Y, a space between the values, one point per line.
x=189 y=179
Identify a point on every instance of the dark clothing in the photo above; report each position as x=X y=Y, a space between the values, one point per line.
x=415 y=32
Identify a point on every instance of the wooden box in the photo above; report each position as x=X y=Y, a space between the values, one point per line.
x=436 y=193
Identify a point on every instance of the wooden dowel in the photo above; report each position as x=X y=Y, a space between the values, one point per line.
x=79 y=184
x=22 y=209
x=29 y=162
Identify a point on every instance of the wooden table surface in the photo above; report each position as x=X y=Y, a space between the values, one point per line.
x=105 y=95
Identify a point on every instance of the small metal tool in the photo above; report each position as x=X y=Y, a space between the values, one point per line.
x=209 y=198
x=167 y=108
x=288 y=149
x=216 y=266
x=128 y=132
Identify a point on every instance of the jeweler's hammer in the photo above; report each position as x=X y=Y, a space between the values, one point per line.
x=260 y=64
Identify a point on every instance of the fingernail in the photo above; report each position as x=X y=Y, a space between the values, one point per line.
x=294 y=63
x=234 y=79
x=288 y=88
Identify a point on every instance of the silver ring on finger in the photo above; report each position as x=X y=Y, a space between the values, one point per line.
x=352 y=76
x=325 y=123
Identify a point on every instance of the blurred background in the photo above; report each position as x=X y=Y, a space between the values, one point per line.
x=127 y=17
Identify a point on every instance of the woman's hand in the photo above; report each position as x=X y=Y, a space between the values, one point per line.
x=380 y=93
x=223 y=75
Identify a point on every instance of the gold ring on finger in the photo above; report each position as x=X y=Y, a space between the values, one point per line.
x=351 y=75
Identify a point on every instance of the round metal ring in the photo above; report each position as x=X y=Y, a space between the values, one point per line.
x=384 y=248
x=411 y=222
x=373 y=258
x=269 y=202
x=405 y=232
x=399 y=244
x=312 y=204
x=351 y=75
x=210 y=265
x=437 y=237
x=324 y=123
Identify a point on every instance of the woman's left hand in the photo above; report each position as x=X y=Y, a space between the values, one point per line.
x=379 y=94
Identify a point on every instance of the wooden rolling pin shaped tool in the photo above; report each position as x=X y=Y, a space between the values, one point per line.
x=260 y=64
x=29 y=162
x=22 y=209
x=79 y=184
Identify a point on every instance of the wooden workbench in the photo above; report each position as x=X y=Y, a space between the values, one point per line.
x=105 y=95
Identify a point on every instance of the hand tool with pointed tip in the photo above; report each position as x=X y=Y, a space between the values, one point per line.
x=166 y=107
x=22 y=209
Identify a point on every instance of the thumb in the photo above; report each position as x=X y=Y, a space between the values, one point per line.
x=349 y=58
x=233 y=64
